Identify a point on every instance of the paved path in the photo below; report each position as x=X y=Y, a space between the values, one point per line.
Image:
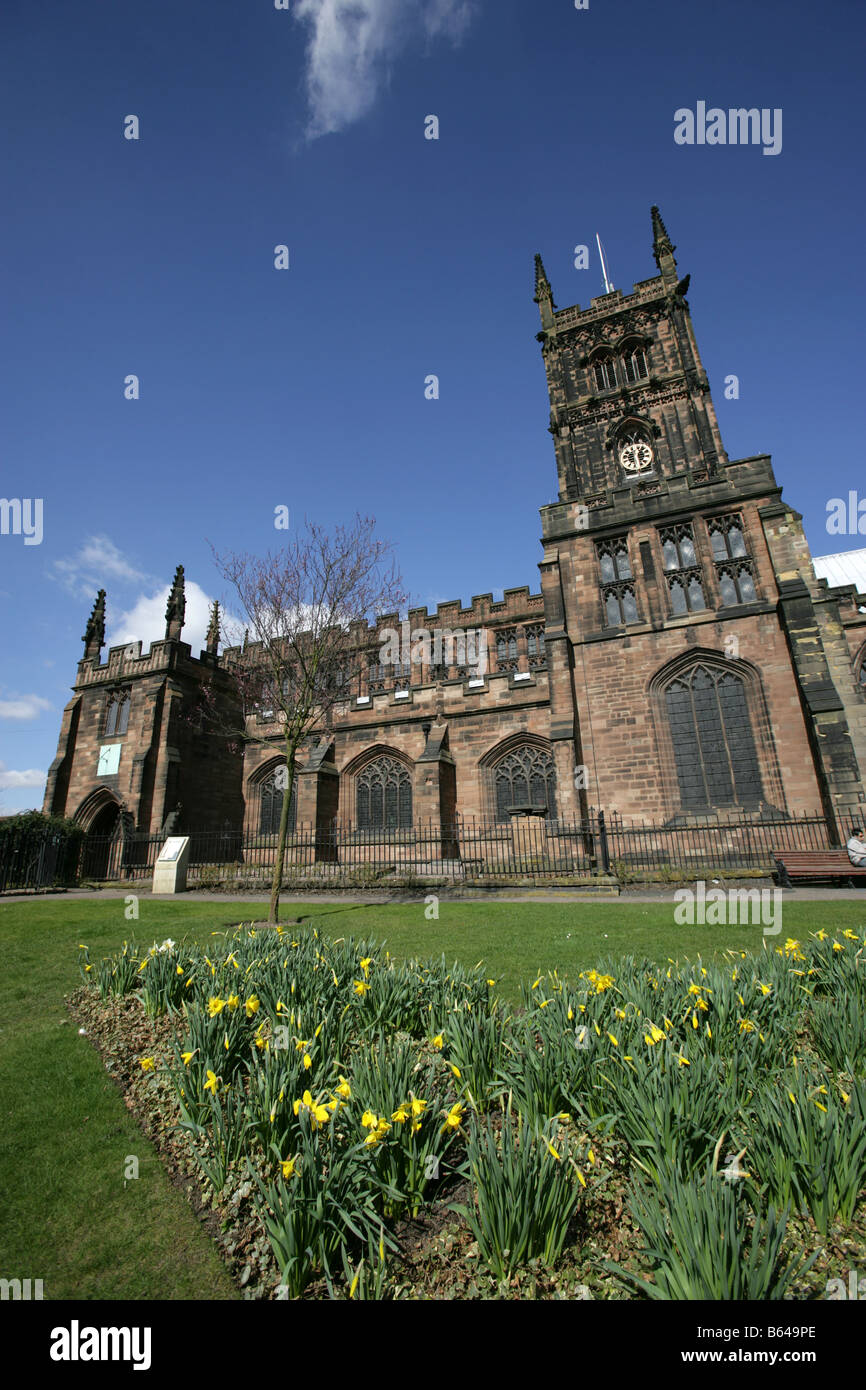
x=530 y=895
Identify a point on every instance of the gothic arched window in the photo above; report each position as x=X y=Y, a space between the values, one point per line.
x=383 y=791
x=634 y=362
x=526 y=776
x=714 y=747
x=272 y=794
x=535 y=645
x=605 y=372
x=117 y=713
x=506 y=649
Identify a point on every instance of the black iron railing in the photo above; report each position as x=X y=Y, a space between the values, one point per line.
x=532 y=846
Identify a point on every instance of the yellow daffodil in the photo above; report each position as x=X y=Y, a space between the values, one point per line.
x=653 y=1036
x=365 y=966
x=215 y=1006
x=344 y=1089
x=418 y=1106
x=837 y=946
x=186 y=1057
x=212 y=1082
x=684 y=1061
x=765 y=989
x=319 y=1113
x=401 y=1114
x=850 y=935
x=180 y=970
x=455 y=1071
x=233 y=1002
x=251 y=1006
x=746 y=1026
x=147 y=1064
x=821 y=935
x=552 y=1151
x=581 y=1179
x=368 y=1120
x=454 y=1118
x=360 y=987
x=290 y=1167
x=308 y=1061
x=613 y=1039
x=438 y=1042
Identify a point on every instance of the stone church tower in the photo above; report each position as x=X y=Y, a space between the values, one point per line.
x=697 y=665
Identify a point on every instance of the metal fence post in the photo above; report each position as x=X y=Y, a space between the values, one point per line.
x=604 y=851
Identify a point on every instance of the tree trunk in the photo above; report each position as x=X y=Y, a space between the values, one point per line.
x=276 y=882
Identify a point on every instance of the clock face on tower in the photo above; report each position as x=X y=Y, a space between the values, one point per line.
x=636 y=456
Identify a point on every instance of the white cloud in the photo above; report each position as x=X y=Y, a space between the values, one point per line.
x=97 y=561
x=31 y=778
x=24 y=707
x=145 y=620
x=352 y=43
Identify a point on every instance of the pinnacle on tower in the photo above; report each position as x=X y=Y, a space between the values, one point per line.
x=663 y=247
x=543 y=294
x=542 y=284
x=212 y=640
x=175 y=608
x=94 y=633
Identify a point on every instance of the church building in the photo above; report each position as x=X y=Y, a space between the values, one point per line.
x=679 y=660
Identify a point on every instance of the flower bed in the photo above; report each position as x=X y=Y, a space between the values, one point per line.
x=356 y=1128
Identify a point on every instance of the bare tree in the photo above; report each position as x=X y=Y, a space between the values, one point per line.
x=307 y=606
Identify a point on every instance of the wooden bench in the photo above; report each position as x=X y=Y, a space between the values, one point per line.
x=815 y=864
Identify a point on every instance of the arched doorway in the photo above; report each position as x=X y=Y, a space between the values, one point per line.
x=100 y=816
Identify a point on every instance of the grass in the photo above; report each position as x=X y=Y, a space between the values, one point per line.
x=68 y=1217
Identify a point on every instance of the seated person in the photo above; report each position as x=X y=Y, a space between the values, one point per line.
x=856 y=847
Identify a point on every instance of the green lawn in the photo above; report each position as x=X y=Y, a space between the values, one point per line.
x=69 y=1220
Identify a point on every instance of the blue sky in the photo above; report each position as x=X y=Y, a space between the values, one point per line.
x=305 y=387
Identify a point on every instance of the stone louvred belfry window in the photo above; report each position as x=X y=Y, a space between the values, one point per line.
x=634 y=362
x=117 y=713
x=682 y=570
x=734 y=568
x=271 y=797
x=617 y=586
x=506 y=649
x=604 y=371
x=383 y=795
x=378 y=674
x=714 y=747
x=535 y=645
x=526 y=776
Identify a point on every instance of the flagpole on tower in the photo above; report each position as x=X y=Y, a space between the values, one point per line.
x=607 y=285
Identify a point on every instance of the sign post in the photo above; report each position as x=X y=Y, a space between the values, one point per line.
x=169 y=871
